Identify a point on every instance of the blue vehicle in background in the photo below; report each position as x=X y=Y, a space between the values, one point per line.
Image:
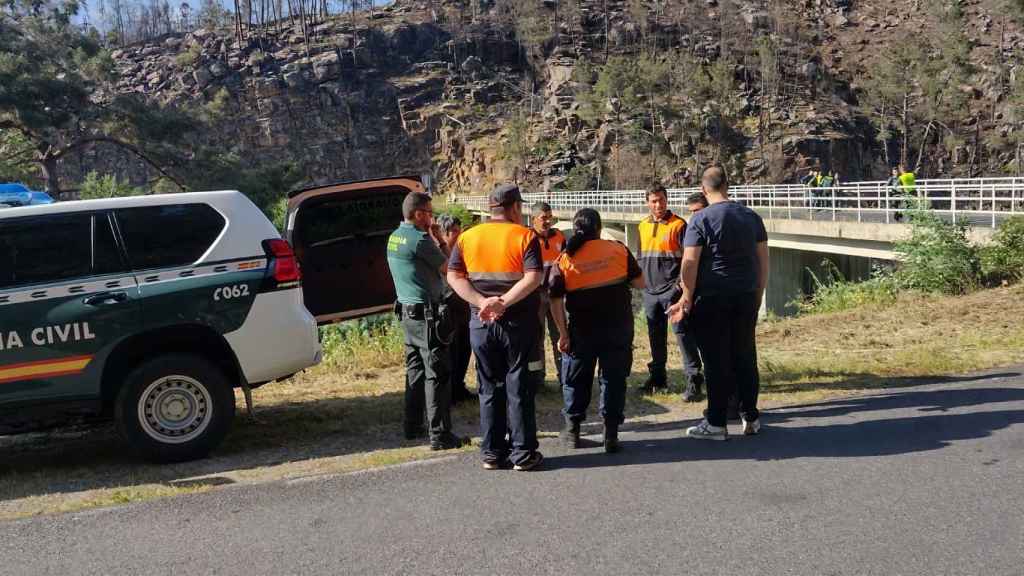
x=20 y=195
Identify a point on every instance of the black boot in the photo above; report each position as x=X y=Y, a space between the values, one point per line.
x=570 y=434
x=693 y=391
x=611 y=437
x=654 y=383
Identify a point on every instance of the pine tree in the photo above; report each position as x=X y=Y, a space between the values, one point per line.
x=57 y=93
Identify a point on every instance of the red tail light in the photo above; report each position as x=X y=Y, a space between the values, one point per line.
x=284 y=268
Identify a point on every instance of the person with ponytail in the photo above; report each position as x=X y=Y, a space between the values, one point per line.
x=592 y=306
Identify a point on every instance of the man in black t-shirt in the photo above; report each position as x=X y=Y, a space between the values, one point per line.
x=724 y=275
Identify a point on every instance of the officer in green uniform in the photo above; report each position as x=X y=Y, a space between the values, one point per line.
x=417 y=257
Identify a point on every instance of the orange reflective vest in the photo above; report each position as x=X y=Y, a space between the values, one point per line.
x=597 y=264
x=661 y=239
x=493 y=255
x=551 y=247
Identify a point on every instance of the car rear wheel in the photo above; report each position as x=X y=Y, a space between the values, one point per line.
x=175 y=408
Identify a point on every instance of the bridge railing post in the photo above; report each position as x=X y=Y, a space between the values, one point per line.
x=833 y=190
x=993 y=206
x=952 y=200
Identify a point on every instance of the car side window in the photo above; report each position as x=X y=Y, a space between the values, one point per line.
x=45 y=249
x=168 y=236
x=106 y=258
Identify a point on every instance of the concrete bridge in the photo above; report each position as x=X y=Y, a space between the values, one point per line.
x=853 y=226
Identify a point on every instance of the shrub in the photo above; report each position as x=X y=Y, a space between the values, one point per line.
x=375 y=341
x=190 y=57
x=1003 y=260
x=96 y=186
x=460 y=212
x=835 y=293
x=937 y=257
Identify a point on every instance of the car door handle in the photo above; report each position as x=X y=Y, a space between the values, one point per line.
x=105 y=298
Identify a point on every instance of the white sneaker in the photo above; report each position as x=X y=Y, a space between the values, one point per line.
x=752 y=427
x=705 y=431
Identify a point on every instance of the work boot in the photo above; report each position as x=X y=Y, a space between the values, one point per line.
x=611 y=437
x=654 y=384
x=570 y=434
x=447 y=441
x=693 y=391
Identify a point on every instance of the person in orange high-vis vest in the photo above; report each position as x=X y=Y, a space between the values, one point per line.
x=497 y=268
x=551 y=243
x=591 y=282
x=661 y=256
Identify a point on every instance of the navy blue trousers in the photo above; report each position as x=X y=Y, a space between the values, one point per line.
x=611 y=349
x=507 y=377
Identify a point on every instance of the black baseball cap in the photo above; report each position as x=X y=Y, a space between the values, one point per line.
x=505 y=195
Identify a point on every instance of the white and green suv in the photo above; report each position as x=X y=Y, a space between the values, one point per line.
x=150 y=310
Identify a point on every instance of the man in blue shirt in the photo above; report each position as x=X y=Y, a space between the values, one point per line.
x=724 y=275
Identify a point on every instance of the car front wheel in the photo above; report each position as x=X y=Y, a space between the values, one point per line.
x=175 y=408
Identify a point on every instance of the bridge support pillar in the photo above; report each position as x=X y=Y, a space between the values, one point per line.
x=633 y=238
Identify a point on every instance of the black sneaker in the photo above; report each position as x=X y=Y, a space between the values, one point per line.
x=492 y=464
x=570 y=435
x=448 y=441
x=531 y=462
x=611 y=438
x=653 y=384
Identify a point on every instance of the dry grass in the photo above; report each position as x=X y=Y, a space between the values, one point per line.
x=346 y=415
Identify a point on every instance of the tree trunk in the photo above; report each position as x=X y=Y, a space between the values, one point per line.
x=924 y=143
x=906 y=130
x=48 y=164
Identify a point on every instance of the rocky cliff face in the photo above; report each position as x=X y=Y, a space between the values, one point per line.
x=423 y=86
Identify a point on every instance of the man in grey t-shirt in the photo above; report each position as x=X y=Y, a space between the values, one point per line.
x=724 y=275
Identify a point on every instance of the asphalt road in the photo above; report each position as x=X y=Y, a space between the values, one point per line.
x=920 y=480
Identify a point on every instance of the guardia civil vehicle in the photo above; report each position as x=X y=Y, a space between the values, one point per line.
x=149 y=310
x=152 y=309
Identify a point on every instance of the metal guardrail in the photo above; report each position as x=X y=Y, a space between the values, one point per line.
x=983 y=202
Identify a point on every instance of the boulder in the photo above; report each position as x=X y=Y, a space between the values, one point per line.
x=218 y=69
x=294 y=79
x=202 y=76
x=472 y=65
x=559 y=77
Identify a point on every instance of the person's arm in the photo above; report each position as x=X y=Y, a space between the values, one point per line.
x=533 y=274
x=762 y=271
x=633 y=272
x=433 y=253
x=558 y=313
x=527 y=285
x=556 y=288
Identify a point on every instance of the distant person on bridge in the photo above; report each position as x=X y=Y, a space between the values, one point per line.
x=591 y=281
x=551 y=243
x=416 y=257
x=497 y=268
x=459 y=348
x=724 y=275
x=661 y=256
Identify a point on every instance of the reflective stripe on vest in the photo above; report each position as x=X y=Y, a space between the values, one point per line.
x=493 y=251
x=597 y=264
x=661 y=239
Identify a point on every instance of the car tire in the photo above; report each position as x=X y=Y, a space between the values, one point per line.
x=175 y=408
